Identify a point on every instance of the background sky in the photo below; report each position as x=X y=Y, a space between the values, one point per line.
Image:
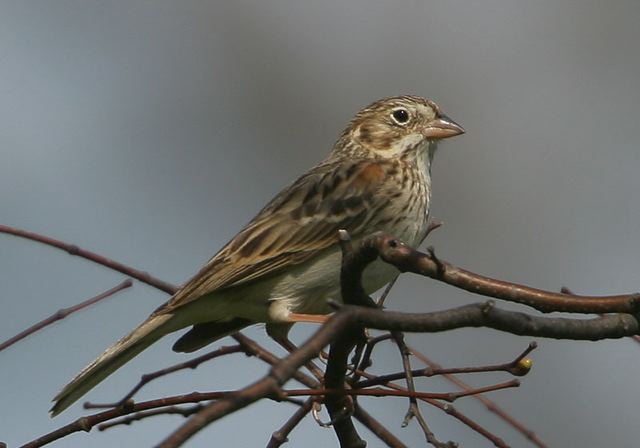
x=151 y=131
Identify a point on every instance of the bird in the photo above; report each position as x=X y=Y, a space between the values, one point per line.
x=283 y=267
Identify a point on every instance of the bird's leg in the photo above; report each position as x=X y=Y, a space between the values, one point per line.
x=309 y=318
x=280 y=333
x=312 y=318
x=291 y=347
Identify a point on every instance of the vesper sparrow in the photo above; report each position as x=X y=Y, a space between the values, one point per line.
x=285 y=264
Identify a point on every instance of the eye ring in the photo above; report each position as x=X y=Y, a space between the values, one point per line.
x=400 y=116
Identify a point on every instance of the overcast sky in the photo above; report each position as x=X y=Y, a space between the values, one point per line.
x=151 y=131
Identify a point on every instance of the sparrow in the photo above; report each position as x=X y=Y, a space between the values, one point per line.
x=284 y=265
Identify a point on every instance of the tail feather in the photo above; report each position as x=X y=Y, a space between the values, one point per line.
x=112 y=359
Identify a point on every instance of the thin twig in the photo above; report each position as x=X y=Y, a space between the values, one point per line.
x=289 y=346
x=520 y=366
x=386 y=292
x=434 y=224
x=365 y=359
x=72 y=249
x=377 y=428
x=414 y=409
x=170 y=410
x=448 y=408
x=376 y=392
x=64 y=312
x=488 y=403
x=281 y=436
x=148 y=377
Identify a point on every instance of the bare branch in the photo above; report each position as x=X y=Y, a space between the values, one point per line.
x=148 y=377
x=376 y=427
x=345 y=328
x=281 y=436
x=489 y=404
x=349 y=317
x=497 y=441
x=486 y=314
x=414 y=409
x=64 y=312
x=386 y=292
x=517 y=367
x=72 y=249
x=407 y=259
x=170 y=410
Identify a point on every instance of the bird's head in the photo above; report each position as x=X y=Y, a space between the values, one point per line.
x=392 y=126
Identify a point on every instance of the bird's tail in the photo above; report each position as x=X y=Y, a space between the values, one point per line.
x=112 y=359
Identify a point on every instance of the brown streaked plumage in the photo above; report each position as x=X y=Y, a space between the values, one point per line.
x=284 y=265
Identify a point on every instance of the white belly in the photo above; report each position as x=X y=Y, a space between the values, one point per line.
x=310 y=287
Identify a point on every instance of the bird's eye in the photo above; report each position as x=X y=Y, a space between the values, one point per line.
x=400 y=116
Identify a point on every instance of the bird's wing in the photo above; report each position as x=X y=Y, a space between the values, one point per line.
x=297 y=224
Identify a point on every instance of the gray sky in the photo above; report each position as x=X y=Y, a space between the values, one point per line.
x=150 y=132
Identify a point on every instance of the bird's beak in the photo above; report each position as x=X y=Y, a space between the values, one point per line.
x=442 y=127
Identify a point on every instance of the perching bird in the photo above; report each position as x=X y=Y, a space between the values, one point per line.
x=284 y=266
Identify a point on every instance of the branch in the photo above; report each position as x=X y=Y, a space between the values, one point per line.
x=354 y=318
x=489 y=404
x=407 y=259
x=340 y=407
x=518 y=367
x=72 y=249
x=148 y=377
x=376 y=427
x=449 y=409
x=349 y=322
x=349 y=317
x=281 y=436
x=414 y=409
x=64 y=312
x=486 y=314
x=170 y=410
